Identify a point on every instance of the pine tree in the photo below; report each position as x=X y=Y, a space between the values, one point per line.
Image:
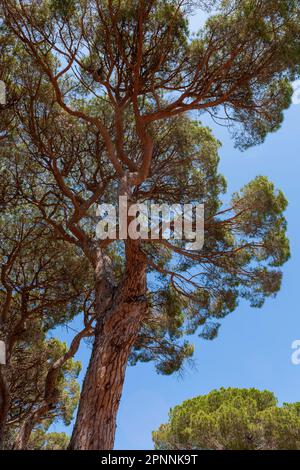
x=231 y=419
x=102 y=94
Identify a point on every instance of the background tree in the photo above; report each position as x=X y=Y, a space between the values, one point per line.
x=40 y=440
x=31 y=410
x=38 y=380
x=105 y=89
x=37 y=294
x=231 y=419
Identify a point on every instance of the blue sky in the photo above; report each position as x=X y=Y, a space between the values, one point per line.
x=253 y=348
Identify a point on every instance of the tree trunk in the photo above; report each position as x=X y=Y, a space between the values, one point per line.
x=4 y=404
x=116 y=331
x=23 y=435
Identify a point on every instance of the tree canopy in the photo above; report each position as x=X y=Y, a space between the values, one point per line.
x=231 y=419
x=104 y=98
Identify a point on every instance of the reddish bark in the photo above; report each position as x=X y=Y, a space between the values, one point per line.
x=116 y=331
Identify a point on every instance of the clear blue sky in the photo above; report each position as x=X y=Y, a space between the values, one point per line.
x=253 y=348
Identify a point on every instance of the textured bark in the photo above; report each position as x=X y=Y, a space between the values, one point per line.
x=4 y=404
x=23 y=435
x=116 y=331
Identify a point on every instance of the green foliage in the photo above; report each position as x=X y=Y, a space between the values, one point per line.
x=231 y=419
x=41 y=440
x=261 y=209
x=269 y=28
x=63 y=8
